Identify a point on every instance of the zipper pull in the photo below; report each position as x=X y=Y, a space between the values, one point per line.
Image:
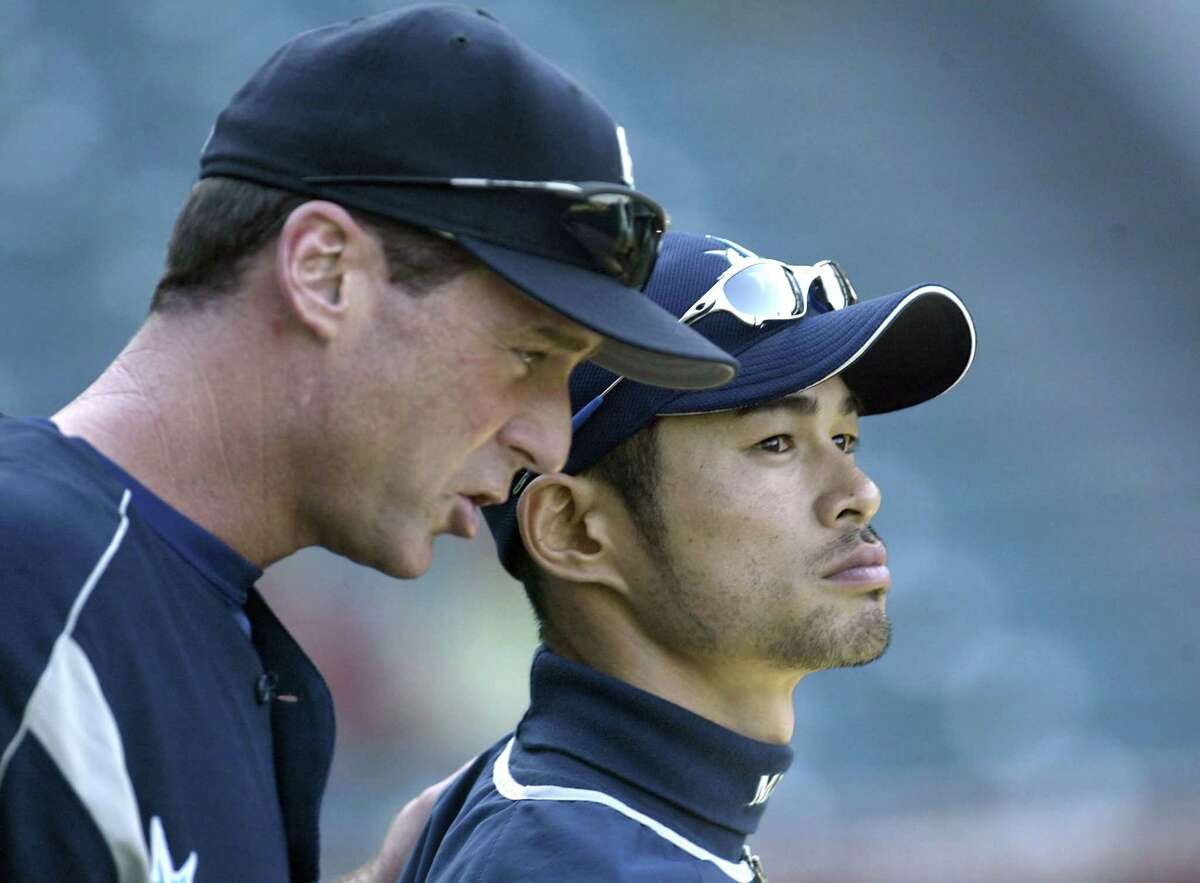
x=755 y=863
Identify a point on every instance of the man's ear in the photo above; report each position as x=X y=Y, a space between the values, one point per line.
x=318 y=244
x=565 y=533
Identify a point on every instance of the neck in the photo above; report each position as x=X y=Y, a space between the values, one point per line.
x=185 y=411
x=743 y=695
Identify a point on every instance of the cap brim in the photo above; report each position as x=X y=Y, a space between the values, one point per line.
x=642 y=341
x=893 y=352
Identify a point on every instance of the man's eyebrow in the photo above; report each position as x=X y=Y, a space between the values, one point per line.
x=851 y=404
x=801 y=405
x=565 y=341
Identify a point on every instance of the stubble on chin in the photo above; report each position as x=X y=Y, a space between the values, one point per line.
x=828 y=636
x=827 y=639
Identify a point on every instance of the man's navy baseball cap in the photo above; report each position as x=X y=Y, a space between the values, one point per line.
x=443 y=92
x=893 y=352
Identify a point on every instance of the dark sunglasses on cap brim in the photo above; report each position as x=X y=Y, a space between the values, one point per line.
x=619 y=228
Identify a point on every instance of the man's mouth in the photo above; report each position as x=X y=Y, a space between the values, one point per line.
x=866 y=566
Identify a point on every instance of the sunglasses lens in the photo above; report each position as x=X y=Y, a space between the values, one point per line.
x=766 y=291
x=621 y=234
x=832 y=286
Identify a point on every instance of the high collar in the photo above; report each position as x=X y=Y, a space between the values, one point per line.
x=713 y=773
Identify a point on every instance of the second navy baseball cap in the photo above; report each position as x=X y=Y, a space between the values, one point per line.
x=893 y=352
x=439 y=117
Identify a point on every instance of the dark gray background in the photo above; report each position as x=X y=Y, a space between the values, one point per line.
x=1036 y=717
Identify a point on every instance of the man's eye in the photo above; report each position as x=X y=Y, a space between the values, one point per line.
x=777 y=444
x=846 y=442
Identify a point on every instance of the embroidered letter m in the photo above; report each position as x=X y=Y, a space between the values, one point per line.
x=766 y=784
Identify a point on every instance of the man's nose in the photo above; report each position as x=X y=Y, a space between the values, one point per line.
x=541 y=434
x=854 y=499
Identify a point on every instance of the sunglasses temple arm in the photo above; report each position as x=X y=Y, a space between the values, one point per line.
x=698 y=310
x=585 y=413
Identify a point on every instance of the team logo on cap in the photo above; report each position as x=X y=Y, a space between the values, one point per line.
x=208 y=139
x=732 y=252
x=626 y=159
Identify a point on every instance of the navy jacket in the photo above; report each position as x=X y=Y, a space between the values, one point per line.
x=601 y=782
x=156 y=721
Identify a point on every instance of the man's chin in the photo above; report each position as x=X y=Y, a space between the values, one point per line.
x=822 y=645
x=407 y=569
x=410 y=554
x=872 y=646
x=403 y=559
x=865 y=640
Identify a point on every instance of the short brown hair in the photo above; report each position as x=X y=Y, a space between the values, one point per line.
x=227 y=221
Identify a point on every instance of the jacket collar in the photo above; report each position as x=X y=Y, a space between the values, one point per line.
x=644 y=741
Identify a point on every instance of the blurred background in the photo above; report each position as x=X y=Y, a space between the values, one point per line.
x=1036 y=717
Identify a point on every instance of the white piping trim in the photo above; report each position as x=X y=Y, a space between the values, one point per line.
x=883 y=326
x=510 y=788
x=72 y=618
x=68 y=714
